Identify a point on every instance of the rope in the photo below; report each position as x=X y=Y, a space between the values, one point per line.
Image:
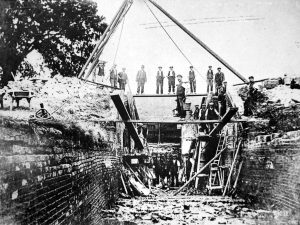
x=119 y=41
x=176 y=45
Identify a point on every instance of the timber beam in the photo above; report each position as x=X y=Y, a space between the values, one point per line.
x=167 y=95
x=180 y=121
x=224 y=120
x=126 y=119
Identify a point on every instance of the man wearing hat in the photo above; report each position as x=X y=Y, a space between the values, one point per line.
x=171 y=80
x=196 y=112
x=211 y=114
x=251 y=83
x=219 y=78
x=222 y=98
x=122 y=78
x=192 y=80
x=180 y=93
x=141 y=79
x=202 y=113
x=160 y=81
x=210 y=79
x=113 y=76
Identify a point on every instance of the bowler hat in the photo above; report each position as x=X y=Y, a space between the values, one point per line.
x=251 y=77
x=219 y=68
x=179 y=75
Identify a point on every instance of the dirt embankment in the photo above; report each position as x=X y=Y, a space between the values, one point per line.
x=68 y=100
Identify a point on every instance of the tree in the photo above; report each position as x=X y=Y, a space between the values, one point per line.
x=63 y=31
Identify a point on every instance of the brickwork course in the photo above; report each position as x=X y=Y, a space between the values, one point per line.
x=52 y=176
x=271 y=172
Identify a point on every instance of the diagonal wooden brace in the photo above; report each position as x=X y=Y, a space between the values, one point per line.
x=126 y=117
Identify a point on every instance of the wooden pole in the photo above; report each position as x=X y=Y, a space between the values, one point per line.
x=106 y=38
x=200 y=149
x=224 y=120
x=101 y=40
x=125 y=116
x=131 y=170
x=179 y=122
x=194 y=158
x=159 y=134
x=123 y=182
x=199 y=42
x=231 y=169
x=238 y=174
x=206 y=165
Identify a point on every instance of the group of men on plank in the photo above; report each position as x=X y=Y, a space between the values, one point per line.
x=141 y=79
x=212 y=78
x=115 y=77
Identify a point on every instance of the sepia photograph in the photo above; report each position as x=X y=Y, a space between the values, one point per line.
x=139 y=112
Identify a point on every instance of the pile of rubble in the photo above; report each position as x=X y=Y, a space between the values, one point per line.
x=168 y=209
x=68 y=98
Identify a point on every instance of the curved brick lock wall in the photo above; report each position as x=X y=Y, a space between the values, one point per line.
x=58 y=178
x=271 y=171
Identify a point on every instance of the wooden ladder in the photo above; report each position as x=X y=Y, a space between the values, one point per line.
x=216 y=174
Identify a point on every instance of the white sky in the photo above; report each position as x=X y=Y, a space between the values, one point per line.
x=256 y=37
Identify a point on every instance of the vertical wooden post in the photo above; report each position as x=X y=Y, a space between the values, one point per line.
x=231 y=169
x=159 y=140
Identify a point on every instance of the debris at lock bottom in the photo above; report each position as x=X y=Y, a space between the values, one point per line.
x=164 y=208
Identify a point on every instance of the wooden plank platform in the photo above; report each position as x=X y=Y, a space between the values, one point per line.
x=180 y=121
x=165 y=95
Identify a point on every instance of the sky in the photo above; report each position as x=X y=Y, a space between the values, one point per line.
x=256 y=37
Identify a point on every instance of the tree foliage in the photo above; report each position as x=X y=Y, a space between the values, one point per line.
x=63 y=31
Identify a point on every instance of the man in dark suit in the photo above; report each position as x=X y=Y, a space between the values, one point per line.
x=219 y=78
x=180 y=93
x=192 y=80
x=171 y=80
x=210 y=79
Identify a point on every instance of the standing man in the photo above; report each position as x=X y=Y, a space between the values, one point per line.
x=202 y=114
x=180 y=93
x=222 y=99
x=211 y=114
x=113 y=76
x=141 y=79
x=160 y=81
x=123 y=79
x=101 y=71
x=250 y=101
x=219 y=78
x=210 y=79
x=196 y=112
x=171 y=80
x=192 y=79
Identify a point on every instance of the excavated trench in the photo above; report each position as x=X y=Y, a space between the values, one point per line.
x=62 y=173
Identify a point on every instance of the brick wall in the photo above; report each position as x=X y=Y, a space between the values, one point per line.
x=59 y=179
x=271 y=170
